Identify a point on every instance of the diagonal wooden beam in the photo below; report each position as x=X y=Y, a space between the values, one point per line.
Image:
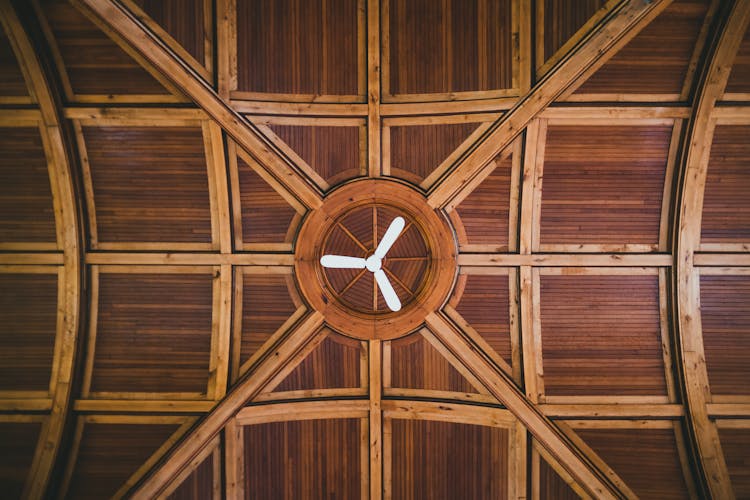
x=622 y=23
x=118 y=18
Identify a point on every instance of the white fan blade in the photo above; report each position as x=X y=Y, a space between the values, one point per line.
x=389 y=294
x=390 y=236
x=342 y=262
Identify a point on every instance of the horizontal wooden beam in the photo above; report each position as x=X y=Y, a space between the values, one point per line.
x=32 y=259
x=563 y=260
x=142 y=406
x=303 y=410
x=728 y=410
x=191 y=259
x=670 y=411
x=721 y=259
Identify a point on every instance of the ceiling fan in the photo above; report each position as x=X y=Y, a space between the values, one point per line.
x=373 y=263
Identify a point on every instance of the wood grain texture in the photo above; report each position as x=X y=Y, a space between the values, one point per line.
x=726 y=326
x=603 y=184
x=17 y=444
x=657 y=60
x=11 y=78
x=28 y=315
x=552 y=486
x=646 y=459
x=182 y=19
x=739 y=77
x=436 y=47
x=153 y=190
x=154 y=333
x=447 y=460
x=25 y=195
x=562 y=18
x=303 y=459
x=726 y=204
x=735 y=443
x=199 y=484
x=319 y=56
x=600 y=335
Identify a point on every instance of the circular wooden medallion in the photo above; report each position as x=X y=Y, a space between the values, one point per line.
x=421 y=264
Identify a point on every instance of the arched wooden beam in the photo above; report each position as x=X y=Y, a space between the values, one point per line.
x=623 y=22
x=68 y=238
x=686 y=281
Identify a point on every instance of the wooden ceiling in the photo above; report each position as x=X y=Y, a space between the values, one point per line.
x=158 y=158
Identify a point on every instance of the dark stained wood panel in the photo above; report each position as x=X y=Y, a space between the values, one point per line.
x=153 y=333
x=447 y=460
x=452 y=46
x=552 y=486
x=333 y=152
x=485 y=213
x=303 y=459
x=266 y=216
x=266 y=305
x=334 y=364
x=199 y=484
x=563 y=18
x=150 y=184
x=735 y=443
x=601 y=335
x=656 y=61
x=182 y=19
x=725 y=317
x=603 y=184
x=298 y=47
x=646 y=459
x=415 y=364
x=11 y=78
x=739 y=77
x=28 y=315
x=110 y=453
x=17 y=444
x=93 y=62
x=25 y=195
x=726 y=202
x=417 y=150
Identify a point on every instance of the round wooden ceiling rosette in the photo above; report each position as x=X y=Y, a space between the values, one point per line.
x=421 y=265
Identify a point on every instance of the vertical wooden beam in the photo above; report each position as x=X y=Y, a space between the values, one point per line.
x=222 y=332
x=375 y=379
x=226 y=41
x=234 y=459
x=374 y=132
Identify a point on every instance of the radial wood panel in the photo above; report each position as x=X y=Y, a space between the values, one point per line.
x=603 y=184
x=153 y=333
x=601 y=336
x=562 y=18
x=726 y=204
x=12 y=83
x=552 y=486
x=448 y=460
x=17 y=444
x=25 y=195
x=199 y=484
x=726 y=333
x=735 y=443
x=183 y=20
x=739 y=77
x=303 y=459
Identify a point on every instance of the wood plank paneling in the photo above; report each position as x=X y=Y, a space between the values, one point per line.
x=182 y=19
x=11 y=78
x=110 y=453
x=726 y=333
x=552 y=486
x=25 y=195
x=726 y=204
x=439 y=47
x=303 y=459
x=447 y=460
x=150 y=184
x=199 y=484
x=603 y=184
x=601 y=335
x=735 y=443
x=739 y=77
x=17 y=444
x=154 y=333
x=562 y=18
x=28 y=315
x=319 y=56
x=646 y=459
x=656 y=61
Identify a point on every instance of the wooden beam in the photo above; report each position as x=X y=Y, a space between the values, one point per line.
x=375 y=384
x=559 y=260
x=272 y=262
x=374 y=130
x=625 y=20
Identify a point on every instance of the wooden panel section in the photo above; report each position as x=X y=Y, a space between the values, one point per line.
x=416 y=364
x=552 y=486
x=17 y=444
x=739 y=77
x=735 y=443
x=485 y=212
x=485 y=305
x=334 y=364
x=11 y=78
x=562 y=18
x=417 y=150
x=646 y=459
x=319 y=55
x=656 y=61
x=726 y=204
x=447 y=460
x=28 y=315
x=154 y=333
x=333 y=152
x=153 y=190
x=601 y=336
x=93 y=62
x=182 y=19
x=726 y=332
x=603 y=184
x=438 y=47
x=110 y=453
x=303 y=459
x=199 y=484
x=25 y=196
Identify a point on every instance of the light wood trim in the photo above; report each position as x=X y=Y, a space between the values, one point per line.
x=31 y=259
x=25 y=404
x=302 y=410
x=221 y=222
x=221 y=332
x=666 y=337
x=531 y=183
x=273 y=262
x=530 y=336
x=234 y=459
x=613 y=410
x=375 y=435
x=591 y=261
x=226 y=39
x=725 y=410
x=448 y=412
x=675 y=144
x=347 y=392
x=134 y=116
x=20 y=117
x=604 y=400
x=589 y=113
x=374 y=129
x=93 y=320
x=143 y=406
x=469 y=397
